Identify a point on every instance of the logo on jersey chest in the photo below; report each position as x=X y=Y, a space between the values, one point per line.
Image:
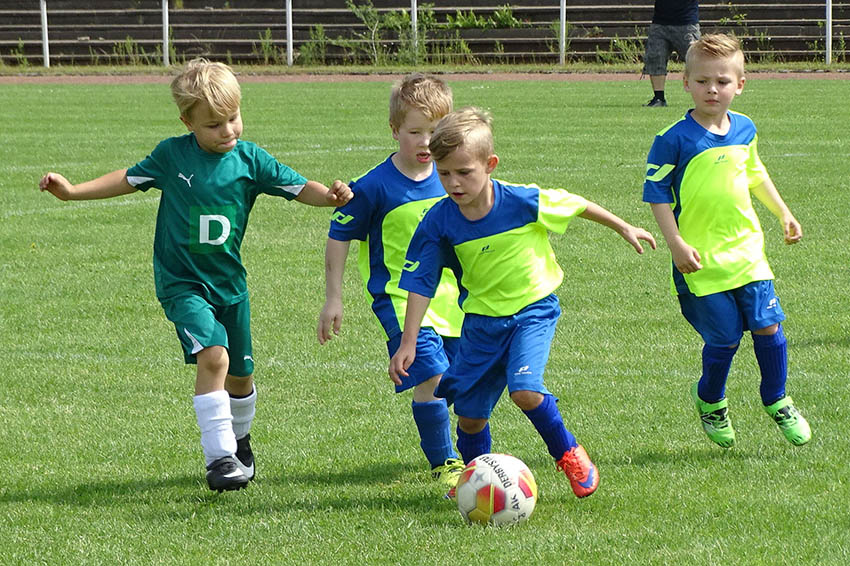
x=185 y=178
x=211 y=229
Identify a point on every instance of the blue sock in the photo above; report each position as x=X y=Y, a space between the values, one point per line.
x=472 y=446
x=716 y=362
x=547 y=420
x=432 y=420
x=772 y=356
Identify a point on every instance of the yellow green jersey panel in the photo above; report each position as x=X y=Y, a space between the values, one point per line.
x=707 y=178
x=504 y=261
x=389 y=207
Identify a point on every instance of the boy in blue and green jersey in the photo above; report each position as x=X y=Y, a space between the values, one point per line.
x=391 y=200
x=209 y=181
x=701 y=172
x=494 y=237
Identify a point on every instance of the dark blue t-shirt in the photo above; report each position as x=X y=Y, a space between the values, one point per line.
x=676 y=12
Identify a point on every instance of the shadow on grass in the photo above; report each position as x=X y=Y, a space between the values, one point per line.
x=106 y=493
x=374 y=486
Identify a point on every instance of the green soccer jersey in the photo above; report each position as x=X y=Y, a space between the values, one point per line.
x=203 y=212
x=707 y=179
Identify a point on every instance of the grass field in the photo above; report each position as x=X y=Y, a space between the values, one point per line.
x=100 y=456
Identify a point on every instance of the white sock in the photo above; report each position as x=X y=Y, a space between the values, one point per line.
x=243 y=409
x=215 y=421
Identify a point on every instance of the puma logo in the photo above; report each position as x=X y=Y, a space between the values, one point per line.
x=187 y=179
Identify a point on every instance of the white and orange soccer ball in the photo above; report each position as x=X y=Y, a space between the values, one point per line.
x=496 y=489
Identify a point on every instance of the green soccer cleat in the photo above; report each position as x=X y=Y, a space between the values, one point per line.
x=791 y=422
x=715 y=419
x=448 y=472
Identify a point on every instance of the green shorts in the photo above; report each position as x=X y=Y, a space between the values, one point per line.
x=200 y=325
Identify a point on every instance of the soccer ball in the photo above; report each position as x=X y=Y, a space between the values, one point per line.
x=496 y=489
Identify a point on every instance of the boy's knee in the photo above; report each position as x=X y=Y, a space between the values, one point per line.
x=214 y=359
x=424 y=392
x=767 y=330
x=239 y=385
x=471 y=426
x=527 y=400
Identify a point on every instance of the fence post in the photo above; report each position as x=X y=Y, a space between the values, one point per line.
x=562 y=38
x=828 y=42
x=45 y=44
x=165 y=47
x=289 y=47
x=413 y=30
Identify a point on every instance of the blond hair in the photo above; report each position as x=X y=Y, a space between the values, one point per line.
x=204 y=81
x=418 y=91
x=470 y=127
x=716 y=46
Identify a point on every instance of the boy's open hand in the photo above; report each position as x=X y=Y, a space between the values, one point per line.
x=330 y=321
x=634 y=235
x=57 y=185
x=339 y=193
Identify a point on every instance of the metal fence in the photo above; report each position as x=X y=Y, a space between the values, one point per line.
x=828 y=31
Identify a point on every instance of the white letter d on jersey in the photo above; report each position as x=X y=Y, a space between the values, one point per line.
x=204 y=229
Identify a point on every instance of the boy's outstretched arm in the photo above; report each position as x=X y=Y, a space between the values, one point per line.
x=316 y=194
x=406 y=353
x=631 y=234
x=768 y=195
x=109 y=185
x=685 y=258
x=330 y=319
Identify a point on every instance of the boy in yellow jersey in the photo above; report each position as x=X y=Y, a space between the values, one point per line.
x=495 y=237
x=701 y=172
x=392 y=198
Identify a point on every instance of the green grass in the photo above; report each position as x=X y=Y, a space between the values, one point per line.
x=101 y=461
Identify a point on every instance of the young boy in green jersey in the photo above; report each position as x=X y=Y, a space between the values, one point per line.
x=701 y=172
x=209 y=180
x=391 y=199
x=494 y=237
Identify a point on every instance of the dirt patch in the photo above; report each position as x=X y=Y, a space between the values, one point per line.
x=378 y=77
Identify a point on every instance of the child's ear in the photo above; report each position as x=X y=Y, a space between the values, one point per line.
x=394 y=131
x=187 y=123
x=492 y=161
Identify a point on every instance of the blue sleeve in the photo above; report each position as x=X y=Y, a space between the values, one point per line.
x=353 y=220
x=660 y=166
x=423 y=264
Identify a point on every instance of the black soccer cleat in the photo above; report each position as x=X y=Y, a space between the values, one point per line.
x=225 y=475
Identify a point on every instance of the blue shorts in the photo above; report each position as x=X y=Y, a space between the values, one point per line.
x=430 y=359
x=499 y=352
x=200 y=325
x=450 y=347
x=721 y=318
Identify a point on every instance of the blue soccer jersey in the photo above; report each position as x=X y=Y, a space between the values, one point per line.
x=706 y=178
x=385 y=212
x=203 y=212
x=504 y=261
